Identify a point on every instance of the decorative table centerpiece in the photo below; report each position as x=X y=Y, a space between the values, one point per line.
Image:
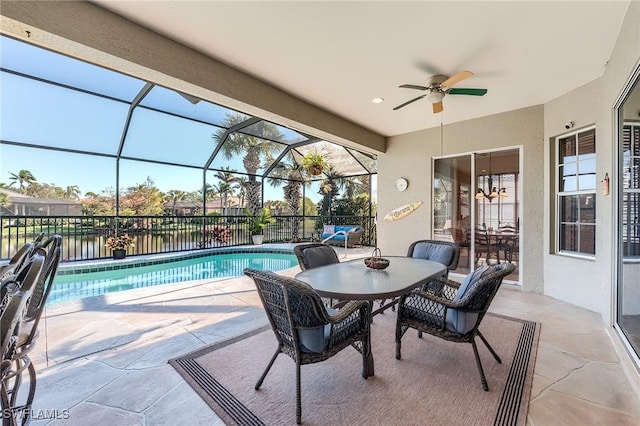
x=376 y=261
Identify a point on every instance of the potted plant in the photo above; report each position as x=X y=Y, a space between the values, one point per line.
x=118 y=244
x=258 y=222
x=314 y=163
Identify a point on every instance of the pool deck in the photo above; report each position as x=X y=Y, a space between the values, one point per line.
x=107 y=355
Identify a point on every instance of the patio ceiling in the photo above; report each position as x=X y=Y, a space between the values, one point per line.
x=340 y=55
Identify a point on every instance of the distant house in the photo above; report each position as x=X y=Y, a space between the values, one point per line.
x=25 y=205
x=194 y=208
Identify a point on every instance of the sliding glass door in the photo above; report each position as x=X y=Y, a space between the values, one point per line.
x=476 y=205
x=628 y=212
x=452 y=205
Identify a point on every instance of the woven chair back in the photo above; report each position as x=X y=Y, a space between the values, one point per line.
x=312 y=255
x=289 y=304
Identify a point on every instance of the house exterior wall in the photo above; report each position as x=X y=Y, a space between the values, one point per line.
x=591 y=284
x=410 y=156
x=576 y=280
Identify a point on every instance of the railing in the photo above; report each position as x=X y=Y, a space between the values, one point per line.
x=84 y=237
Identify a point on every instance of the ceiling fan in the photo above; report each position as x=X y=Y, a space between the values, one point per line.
x=438 y=87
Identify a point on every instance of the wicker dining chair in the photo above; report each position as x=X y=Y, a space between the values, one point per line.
x=19 y=258
x=13 y=362
x=51 y=250
x=456 y=313
x=485 y=245
x=305 y=329
x=312 y=255
x=444 y=252
x=509 y=242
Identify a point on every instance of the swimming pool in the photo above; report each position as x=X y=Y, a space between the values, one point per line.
x=72 y=284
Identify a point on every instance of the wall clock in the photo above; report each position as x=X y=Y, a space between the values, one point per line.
x=402 y=184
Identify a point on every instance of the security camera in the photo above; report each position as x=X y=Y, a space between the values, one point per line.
x=568 y=125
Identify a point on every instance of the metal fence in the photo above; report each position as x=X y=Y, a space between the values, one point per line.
x=85 y=237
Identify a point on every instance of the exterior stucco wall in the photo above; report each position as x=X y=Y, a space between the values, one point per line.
x=410 y=155
x=591 y=283
x=575 y=280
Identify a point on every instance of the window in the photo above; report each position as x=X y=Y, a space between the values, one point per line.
x=630 y=189
x=576 y=194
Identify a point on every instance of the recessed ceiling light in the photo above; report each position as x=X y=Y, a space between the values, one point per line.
x=377 y=100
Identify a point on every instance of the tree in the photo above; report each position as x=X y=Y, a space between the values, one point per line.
x=23 y=178
x=290 y=172
x=4 y=199
x=72 y=192
x=352 y=206
x=210 y=191
x=143 y=199
x=45 y=190
x=355 y=185
x=102 y=204
x=225 y=187
x=242 y=190
x=329 y=189
x=309 y=208
x=253 y=149
x=173 y=196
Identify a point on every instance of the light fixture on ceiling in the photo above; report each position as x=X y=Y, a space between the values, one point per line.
x=377 y=100
x=492 y=191
x=435 y=96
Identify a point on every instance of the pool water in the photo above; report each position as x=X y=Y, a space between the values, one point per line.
x=77 y=286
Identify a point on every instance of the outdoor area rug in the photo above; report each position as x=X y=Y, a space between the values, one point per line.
x=436 y=382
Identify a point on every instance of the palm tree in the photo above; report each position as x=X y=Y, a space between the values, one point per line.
x=224 y=190
x=355 y=185
x=226 y=186
x=72 y=192
x=211 y=192
x=174 y=196
x=329 y=189
x=291 y=173
x=253 y=149
x=23 y=178
x=242 y=190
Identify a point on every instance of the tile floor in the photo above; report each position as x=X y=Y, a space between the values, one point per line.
x=108 y=356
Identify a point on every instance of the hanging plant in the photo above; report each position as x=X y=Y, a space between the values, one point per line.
x=314 y=163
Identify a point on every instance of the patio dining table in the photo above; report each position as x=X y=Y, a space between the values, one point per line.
x=353 y=280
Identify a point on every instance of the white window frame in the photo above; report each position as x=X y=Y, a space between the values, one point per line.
x=560 y=194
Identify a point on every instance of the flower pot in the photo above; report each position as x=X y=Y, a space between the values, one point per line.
x=257 y=239
x=315 y=170
x=119 y=253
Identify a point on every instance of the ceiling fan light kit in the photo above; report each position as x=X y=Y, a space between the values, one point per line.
x=438 y=87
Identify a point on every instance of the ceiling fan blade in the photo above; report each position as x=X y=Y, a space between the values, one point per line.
x=413 y=86
x=456 y=78
x=408 y=102
x=472 y=92
x=437 y=107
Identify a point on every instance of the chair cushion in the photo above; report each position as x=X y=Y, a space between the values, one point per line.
x=328 y=229
x=440 y=253
x=318 y=256
x=316 y=339
x=463 y=322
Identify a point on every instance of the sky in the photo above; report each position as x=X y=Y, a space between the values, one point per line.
x=47 y=115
